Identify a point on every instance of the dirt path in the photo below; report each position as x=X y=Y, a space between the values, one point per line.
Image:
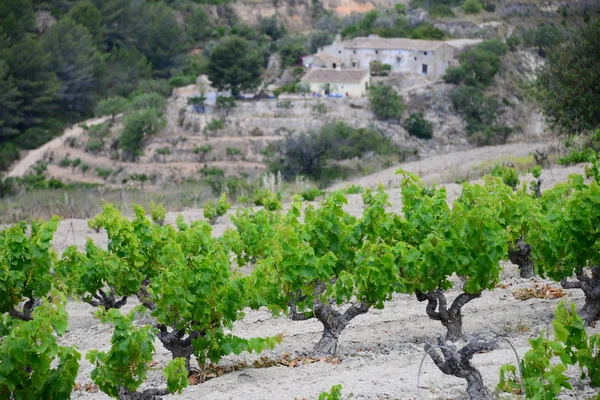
x=34 y=156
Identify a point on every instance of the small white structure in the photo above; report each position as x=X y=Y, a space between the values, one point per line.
x=338 y=82
x=410 y=56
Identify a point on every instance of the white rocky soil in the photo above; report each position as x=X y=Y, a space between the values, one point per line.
x=380 y=352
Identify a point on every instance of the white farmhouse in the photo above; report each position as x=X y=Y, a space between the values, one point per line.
x=409 y=56
x=338 y=82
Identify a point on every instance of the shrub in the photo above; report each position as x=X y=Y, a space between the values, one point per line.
x=158 y=213
x=285 y=104
x=8 y=187
x=111 y=106
x=291 y=53
x=182 y=80
x=99 y=131
x=354 y=189
x=232 y=151
x=8 y=154
x=147 y=100
x=386 y=103
x=311 y=194
x=269 y=200
x=138 y=125
x=509 y=175
x=104 y=173
x=440 y=11
x=418 y=126
x=163 y=151
x=94 y=146
x=36 y=136
x=471 y=6
x=202 y=151
x=215 y=124
x=455 y=75
x=160 y=86
x=212 y=210
x=225 y=104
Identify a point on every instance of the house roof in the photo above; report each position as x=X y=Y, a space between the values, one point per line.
x=376 y=42
x=335 y=75
x=326 y=58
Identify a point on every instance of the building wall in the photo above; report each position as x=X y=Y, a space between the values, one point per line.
x=355 y=90
x=402 y=61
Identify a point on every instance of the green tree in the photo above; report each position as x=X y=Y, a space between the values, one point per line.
x=163 y=41
x=124 y=22
x=78 y=66
x=472 y=6
x=418 y=126
x=138 y=125
x=87 y=15
x=386 y=103
x=568 y=85
x=10 y=100
x=28 y=64
x=111 y=106
x=16 y=19
x=199 y=25
x=234 y=65
x=125 y=69
x=291 y=53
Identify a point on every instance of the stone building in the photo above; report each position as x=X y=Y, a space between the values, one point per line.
x=338 y=82
x=409 y=56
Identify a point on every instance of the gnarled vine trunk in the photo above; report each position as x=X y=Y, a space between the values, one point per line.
x=106 y=300
x=590 y=285
x=148 y=394
x=333 y=322
x=178 y=343
x=451 y=318
x=520 y=254
x=458 y=363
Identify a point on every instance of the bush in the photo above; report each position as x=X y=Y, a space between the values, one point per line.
x=94 y=146
x=427 y=31
x=36 y=136
x=99 y=131
x=440 y=11
x=455 y=75
x=418 y=126
x=8 y=154
x=8 y=187
x=215 y=125
x=311 y=194
x=386 y=103
x=138 y=125
x=471 y=6
x=147 y=100
x=111 y=106
x=212 y=210
x=509 y=175
x=269 y=200
x=160 y=86
x=291 y=53
x=182 y=80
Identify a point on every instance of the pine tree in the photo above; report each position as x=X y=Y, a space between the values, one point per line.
x=10 y=99
x=87 y=15
x=28 y=64
x=125 y=68
x=74 y=59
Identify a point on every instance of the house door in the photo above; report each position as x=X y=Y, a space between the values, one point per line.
x=327 y=89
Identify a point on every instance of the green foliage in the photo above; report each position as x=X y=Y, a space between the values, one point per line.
x=311 y=194
x=234 y=65
x=26 y=262
x=104 y=173
x=158 y=213
x=567 y=85
x=291 y=53
x=126 y=70
x=441 y=11
x=334 y=394
x=137 y=125
x=111 y=106
x=385 y=102
x=202 y=151
x=225 y=103
x=71 y=48
x=269 y=200
x=125 y=365
x=36 y=136
x=543 y=378
x=427 y=32
x=213 y=210
x=86 y=14
x=147 y=100
x=34 y=366
x=354 y=189
x=215 y=125
x=8 y=154
x=232 y=152
x=418 y=126
x=199 y=25
x=509 y=175
x=544 y=37
x=471 y=6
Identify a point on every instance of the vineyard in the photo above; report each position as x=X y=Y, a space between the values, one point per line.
x=411 y=302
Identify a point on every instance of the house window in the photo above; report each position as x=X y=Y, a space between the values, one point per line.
x=398 y=60
x=353 y=51
x=340 y=52
x=334 y=65
x=424 y=68
x=353 y=65
x=376 y=51
x=415 y=58
x=424 y=53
